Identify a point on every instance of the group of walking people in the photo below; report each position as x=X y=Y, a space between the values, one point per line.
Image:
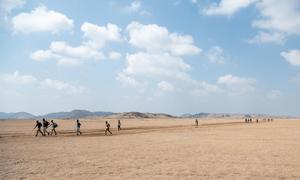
x=44 y=125
x=249 y=120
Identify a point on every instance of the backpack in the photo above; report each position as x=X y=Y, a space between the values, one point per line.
x=55 y=125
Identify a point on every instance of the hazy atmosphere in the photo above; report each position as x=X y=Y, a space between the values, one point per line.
x=172 y=56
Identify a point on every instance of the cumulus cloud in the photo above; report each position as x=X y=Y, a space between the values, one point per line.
x=41 y=20
x=6 y=6
x=155 y=65
x=113 y=55
x=204 y=88
x=154 y=38
x=17 y=78
x=159 y=60
x=292 y=56
x=62 y=86
x=130 y=81
x=136 y=7
x=237 y=85
x=277 y=19
x=97 y=36
x=279 y=16
x=216 y=55
x=265 y=37
x=164 y=86
x=67 y=55
x=227 y=7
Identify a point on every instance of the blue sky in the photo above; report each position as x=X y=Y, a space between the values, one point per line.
x=173 y=56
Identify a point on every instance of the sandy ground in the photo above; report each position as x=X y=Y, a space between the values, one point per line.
x=153 y=149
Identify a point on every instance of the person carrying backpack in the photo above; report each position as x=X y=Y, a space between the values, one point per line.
x=78 y=132
x=38 y=125
x=107 y=128
x=54 y=125
x=45 y=126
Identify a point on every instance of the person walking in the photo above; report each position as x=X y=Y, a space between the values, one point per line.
x=54 y=125
x=196 y=122
x=107 y=128
x=119 y=125
x=45 y=126
x=39 y=126
x=78 y=125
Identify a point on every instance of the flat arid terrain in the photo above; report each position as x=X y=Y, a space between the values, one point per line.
x=152 y=149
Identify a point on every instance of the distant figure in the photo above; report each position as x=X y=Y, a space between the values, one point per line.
x=119 y=125
x=45 y=126
x=196 y=122
x=78 y=132
x=107 y=128
x=246 y=120
x=54 y=125
x=271 y=119
x=256 y=120
x=250 y=120
x=38 y=125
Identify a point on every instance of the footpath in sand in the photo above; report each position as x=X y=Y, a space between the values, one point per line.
x=153 y=149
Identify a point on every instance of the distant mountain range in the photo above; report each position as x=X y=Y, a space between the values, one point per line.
x=57 y=115
x=126 y=115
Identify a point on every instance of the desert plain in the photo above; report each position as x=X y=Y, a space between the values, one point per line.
x=170 y=148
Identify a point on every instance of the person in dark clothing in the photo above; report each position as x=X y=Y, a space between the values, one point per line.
x=78 y=125
x=119 y=125
x=38 y=125
x=45 y=126
x=196 y=122
x=54 y=125
x=107 y=128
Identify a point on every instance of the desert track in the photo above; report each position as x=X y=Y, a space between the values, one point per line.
x=124 y=131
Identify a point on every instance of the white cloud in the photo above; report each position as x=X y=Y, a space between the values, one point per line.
x=155 y=65
x=41 y=20
x=264 y=37
x=62 y=86
x=292 y=56
x=164 y=86
x=136 y=7
x=216 y=55
x=273 y=94
x=17 y=78
x=67 y=55
x=156 y=39
x=237 y=85
x=6 y=6
x=227 y=7
x=113 y=55
x=42 y=55
x=194 y=1
x=129 y=81
x=97 y=36
x=279 y=16
x=204 y=88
